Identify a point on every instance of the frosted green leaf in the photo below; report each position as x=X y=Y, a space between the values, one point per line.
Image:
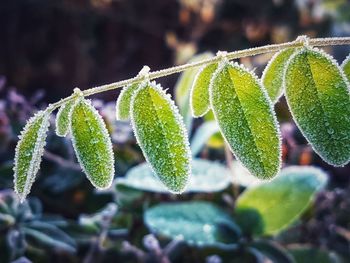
x=63 y=118
x=272 y=77
x=199 y=97
x=29 y=151
x=183 y=89
x=92 y=144
x=318 y=97
x=206 y=177
x=123 y=102
x=202 y=135
x=246 y=119
x=185 y=81
x=280 y=202
x=161 y=134
x=346 y=67
x=197 y=223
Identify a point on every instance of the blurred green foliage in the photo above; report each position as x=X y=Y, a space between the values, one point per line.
x=137 y=220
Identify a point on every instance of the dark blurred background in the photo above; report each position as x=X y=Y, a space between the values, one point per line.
x=56 y=45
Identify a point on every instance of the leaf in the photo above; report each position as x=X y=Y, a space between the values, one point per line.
x=183 y=89
x=197 y=223
x=29 y=151
x=185 y=81
x=273 y=251
x=246 y=119
x=42 y=234
x=63 y=118
x=280 y=202
x=346 y=67
x=305 y=254
x=202 y=135
x=92 y=144
x=206 y=177
x=318 y=97
x=199 y=96
x=124 y=100
x=272 y=77
x=161 y=134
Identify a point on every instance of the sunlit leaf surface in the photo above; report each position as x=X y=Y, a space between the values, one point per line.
x=319 y=100
x=124 y=100
x=161 y=134
x=183 y=89
x=63 y=118
x=199 y=97
x=246 y=119
x=273 y=74
x=278 y=203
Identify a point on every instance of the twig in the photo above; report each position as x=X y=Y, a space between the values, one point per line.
x=299 y=42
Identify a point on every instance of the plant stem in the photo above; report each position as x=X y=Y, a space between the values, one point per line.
x=299 y=42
